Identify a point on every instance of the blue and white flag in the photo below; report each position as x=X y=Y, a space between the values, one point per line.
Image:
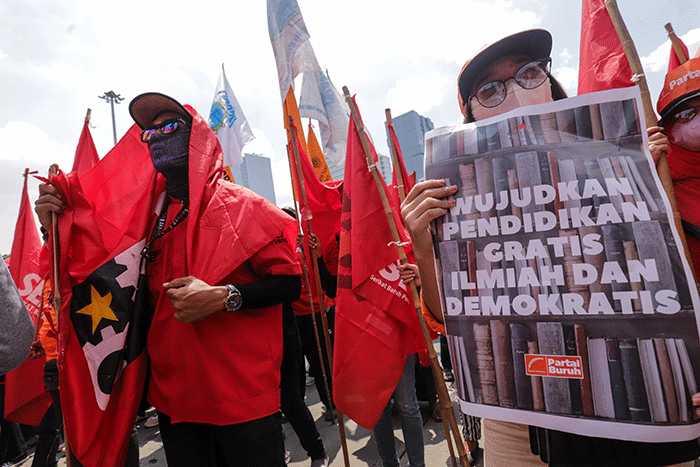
x=228 y=122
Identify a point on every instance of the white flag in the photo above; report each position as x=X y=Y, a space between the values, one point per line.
x=228 y=122
x=290 y=42
x=321 y=101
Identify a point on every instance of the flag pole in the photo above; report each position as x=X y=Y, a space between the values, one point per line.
x=445 y=403
x=53 y=170
x=662 y=166
x=402 y=195
x=307 y=281
x=319 y=291
x=395 y=159
x=676 y=43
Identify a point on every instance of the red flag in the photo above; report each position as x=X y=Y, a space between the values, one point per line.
x=323 y=198
x=109 y=211
x=602 y=61
x=376 y=323
x=86 y=153
x=674 y=62
x=408 y=180
x=26 y=401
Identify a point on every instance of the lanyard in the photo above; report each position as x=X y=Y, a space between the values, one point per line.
x=150 y=255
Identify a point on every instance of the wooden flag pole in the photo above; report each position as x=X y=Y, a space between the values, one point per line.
x=445 y=403
x=395 y=158
x=307 y=281
x=662 y=166
x=53 y=170
x=676 y=43
x=319 y=290
x=402 y=195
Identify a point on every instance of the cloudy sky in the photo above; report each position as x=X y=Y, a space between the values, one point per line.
x=57 y=57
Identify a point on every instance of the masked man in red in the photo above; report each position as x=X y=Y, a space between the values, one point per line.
x=215 y=348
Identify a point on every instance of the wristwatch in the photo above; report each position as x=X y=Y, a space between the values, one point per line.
x=234 y=300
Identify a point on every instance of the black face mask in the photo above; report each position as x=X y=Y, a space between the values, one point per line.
x=170 y=154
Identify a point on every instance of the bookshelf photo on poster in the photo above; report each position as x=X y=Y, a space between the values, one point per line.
x=568 y=300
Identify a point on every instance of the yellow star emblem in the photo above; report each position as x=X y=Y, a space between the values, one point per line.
x=98 y=308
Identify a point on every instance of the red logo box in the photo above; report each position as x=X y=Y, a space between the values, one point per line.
x=554 y=366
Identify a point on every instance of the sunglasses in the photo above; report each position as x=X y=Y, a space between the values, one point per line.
x=683 y=116
x=165 y=128
x=529 y=76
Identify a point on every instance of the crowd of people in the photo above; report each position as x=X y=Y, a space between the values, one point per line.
x=257 y=320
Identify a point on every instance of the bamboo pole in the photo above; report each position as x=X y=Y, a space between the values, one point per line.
x=53 y=170
x=319 y=292
x=402 y=195
x=443 y=396
x=662 y=166
x=676 y=43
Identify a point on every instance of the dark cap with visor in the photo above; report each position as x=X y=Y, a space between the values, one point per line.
x=147 y=107
x=535 y=43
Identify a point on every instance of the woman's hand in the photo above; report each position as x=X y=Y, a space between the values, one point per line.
x=658 y=143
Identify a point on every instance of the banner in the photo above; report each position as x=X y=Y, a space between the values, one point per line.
x=290 y=42
x=229 y=124
x=26 y=400
x=321 y=101
x=568 y=300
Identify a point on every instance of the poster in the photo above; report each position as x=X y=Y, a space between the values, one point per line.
x=567 y=298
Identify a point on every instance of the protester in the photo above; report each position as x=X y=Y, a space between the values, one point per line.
x=503 y=76
x=16 y=327
x=302 y=310
x=215 y=349
x=293 y=387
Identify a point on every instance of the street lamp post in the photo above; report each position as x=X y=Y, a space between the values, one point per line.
x=113 y=98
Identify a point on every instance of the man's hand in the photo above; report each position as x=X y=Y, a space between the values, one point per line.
x=194 y=299
x=314 y=244
x=50 y=200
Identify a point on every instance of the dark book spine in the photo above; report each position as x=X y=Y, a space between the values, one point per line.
x=500 y=167
x=481 y=144
x=537 y=388
x=667 y=383
x=574 y=384
x=485 y=363
x=503 y=362
x=519 y=335
x=585 y=383
x=584 y=130
x=493 y=139
x=634 y=381
x=617 y=381
x=596 y=123
x=614 y=251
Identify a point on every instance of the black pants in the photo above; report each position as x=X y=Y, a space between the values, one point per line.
x=257 y=443
x=293 y=387
x=445 y=354
x=308 y=345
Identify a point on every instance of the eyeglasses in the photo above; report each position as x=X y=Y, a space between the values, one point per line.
x=529 y=76
x=683 y=116
x=165 y=128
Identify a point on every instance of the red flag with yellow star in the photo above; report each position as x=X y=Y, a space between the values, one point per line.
x=103 y=320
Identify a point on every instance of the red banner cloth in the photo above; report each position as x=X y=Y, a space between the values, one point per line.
x=376 y=325
x=26 y=401
x=602 y=61
x=408 y=180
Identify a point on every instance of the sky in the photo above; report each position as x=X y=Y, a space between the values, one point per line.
x=58 y=57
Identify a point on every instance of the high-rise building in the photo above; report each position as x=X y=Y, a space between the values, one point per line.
x=256 y=174
x=337 y=171
x=384 y=167
x=410 y=131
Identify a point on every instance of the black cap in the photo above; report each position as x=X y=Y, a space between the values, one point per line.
x=535 y=43
x=146 y=107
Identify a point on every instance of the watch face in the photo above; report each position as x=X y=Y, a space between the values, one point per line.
x=234 y=301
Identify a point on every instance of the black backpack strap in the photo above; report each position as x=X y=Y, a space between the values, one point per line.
x=691 y=230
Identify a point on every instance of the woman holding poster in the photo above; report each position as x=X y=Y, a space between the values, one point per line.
x=506 y=75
